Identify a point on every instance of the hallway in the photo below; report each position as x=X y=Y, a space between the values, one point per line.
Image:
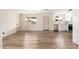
x=39 y=40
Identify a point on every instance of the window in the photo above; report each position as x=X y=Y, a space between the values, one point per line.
x=32 y=20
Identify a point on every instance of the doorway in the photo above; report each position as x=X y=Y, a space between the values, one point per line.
x=45 y=23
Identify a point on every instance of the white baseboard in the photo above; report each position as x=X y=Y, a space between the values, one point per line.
x=9 y=33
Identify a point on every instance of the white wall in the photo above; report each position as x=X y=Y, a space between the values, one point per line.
x=29 y=26
x=39 y=25
x=8 y=21
x=76 y=26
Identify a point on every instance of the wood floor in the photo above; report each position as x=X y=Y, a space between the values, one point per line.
x=39 y=40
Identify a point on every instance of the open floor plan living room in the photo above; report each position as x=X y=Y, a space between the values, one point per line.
x=38 y=28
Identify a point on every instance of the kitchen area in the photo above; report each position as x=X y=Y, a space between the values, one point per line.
x=63 y=22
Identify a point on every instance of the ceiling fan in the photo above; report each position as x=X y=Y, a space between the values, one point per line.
x=69 y=10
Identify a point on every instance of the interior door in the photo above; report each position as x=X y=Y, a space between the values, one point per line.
x=45 y=22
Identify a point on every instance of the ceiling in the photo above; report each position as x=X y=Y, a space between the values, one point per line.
x=34 y=11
